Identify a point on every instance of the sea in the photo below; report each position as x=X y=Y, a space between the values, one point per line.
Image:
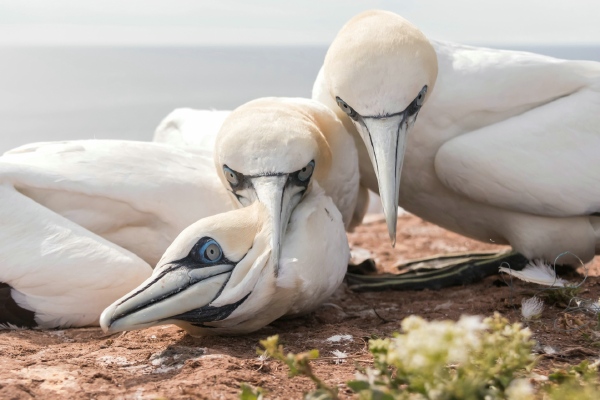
x=63 y=93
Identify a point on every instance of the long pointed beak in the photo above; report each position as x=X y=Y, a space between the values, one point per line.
x=385 y=139
x=270 y=191
x=172 y=290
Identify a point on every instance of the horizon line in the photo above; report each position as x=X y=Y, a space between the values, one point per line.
x=275 y=45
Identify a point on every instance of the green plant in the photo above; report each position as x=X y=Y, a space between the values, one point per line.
x=299 y=364
x=469 y=359
x=579 y=382
x=250 y=393
x=560 y=296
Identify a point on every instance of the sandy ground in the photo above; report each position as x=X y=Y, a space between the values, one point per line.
x=164 y=362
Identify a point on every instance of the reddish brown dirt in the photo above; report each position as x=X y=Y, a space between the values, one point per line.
x=164 y=362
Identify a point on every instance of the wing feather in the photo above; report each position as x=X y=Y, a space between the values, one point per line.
x=545 y=161
x=64 y=273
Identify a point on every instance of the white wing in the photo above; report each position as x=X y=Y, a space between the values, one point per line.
x=190 y=128
x=535 y=143
x=64 y=273
x=477 y=87
x=135 y=194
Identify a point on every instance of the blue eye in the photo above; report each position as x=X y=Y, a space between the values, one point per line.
x=209 y=252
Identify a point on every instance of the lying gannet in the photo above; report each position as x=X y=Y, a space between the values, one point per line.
x=506 y=146
x=82 y=221
x=218 y=276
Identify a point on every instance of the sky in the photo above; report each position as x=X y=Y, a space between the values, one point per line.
x=279 y=22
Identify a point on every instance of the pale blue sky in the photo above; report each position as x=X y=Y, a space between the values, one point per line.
x=268 y=22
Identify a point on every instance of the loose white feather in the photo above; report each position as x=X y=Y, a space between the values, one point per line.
x=532 y=308
x=537 y=271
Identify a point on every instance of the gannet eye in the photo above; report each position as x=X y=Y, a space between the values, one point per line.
x=305 y=173
x=231 y=176
x=346 y=108
x=421 y=96
x=207 y=251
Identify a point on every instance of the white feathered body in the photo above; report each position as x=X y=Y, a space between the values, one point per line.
x=83 y=222
x=506 y=149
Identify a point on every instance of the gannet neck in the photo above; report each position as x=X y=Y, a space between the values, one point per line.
x=312 y=265
x=379 y=62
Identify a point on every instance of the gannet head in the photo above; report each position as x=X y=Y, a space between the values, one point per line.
x=270 y=150
x=187 y=286
x=380 y=69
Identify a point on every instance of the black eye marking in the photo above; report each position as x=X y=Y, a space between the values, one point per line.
x=416 y=104
x=421 y=96
x=411 y=110
x=346 y=108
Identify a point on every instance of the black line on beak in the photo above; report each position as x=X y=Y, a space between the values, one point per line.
x=396 y=153
x=173 y=267
x=199 y=316
x=164 y=297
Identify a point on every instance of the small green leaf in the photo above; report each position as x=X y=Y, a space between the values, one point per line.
x=358 y=386
x=319 y=394
x=250 y=393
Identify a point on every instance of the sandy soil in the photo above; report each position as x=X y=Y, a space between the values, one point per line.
x=164 y=362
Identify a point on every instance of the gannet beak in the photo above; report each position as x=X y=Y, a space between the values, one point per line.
x=385 y=139
x=168 y=296
x=271 y=191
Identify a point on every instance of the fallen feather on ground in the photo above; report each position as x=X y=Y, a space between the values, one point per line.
x=537 y=271
x=340 y=356
x=340 y=338
x=532 y=308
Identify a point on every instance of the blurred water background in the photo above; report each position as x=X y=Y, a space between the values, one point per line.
x=60 y=93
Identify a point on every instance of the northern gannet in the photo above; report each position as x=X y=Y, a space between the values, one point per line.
x=271 y=149
x=83 y=221
x=506 y=145
x=218 y=276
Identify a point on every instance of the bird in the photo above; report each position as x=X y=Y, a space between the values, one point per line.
x=271 y=150
x=84 y=221
x=505 y=148
x=218 y=276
